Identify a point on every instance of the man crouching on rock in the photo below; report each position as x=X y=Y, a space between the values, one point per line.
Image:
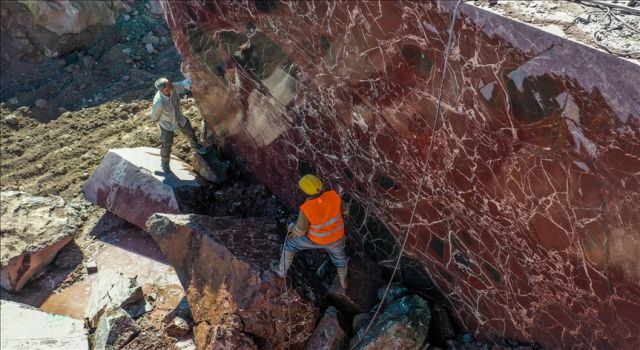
x=320 y=225
x=166 y=110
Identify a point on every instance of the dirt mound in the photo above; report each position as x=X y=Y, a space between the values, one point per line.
x=113 y=63
x=57 y=157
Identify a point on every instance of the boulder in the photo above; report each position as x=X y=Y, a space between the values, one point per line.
x=396 y=290
x=24 y=327
x=328 y=334
x=34 y=30
x=115 y=330
x=41 y=103
x=33 y=230
x=210 y=166
x=155 y=8
x=224 y=266
x=365 y=277
x=177 y=327
x=404 y=324
x=132 y=178
x=112 y=290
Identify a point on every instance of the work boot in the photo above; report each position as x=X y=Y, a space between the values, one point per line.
x=285 y=262
x=342 y=274
x=199 y=148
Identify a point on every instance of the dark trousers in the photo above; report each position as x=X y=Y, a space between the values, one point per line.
x=167 y=140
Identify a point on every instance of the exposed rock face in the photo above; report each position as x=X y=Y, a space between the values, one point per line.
x=365 y=277
x=130 y=183
x=223 y=264
x=528 y=219
x=24 y=327
x=33 y=30
x=403 y=324
x=328 y=334
x=33 y=230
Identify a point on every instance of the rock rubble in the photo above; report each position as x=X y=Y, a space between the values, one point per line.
x=33 y=230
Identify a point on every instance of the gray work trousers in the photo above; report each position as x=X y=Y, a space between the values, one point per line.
x=335 y=250
x=167 y=140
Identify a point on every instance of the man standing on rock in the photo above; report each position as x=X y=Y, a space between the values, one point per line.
x=320 y=225
x=166 y=110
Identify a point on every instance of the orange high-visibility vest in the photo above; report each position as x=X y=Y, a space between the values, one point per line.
x=325 y=218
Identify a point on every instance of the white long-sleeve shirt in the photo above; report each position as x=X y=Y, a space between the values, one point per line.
x=166 y=109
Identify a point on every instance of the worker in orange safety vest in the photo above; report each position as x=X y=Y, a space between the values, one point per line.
x=320 y=225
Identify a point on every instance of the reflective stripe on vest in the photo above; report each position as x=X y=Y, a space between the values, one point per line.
x=325 y=218
x=325 y=234
x=330 y=222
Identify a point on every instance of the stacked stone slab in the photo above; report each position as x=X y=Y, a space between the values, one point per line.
x=33 y=230
x=130 y=183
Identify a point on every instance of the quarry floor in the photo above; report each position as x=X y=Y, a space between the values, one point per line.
x=53 y=149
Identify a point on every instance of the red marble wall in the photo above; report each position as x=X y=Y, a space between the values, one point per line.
x=529 y=220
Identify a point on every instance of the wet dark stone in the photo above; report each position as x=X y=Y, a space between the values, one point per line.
x=266 y=5
x=305 y=167
x=441 y=327
x=495 y=275
x=437 y=246
x=325 y=44
x=385 y=182
x=532 y=98
x=396 y=290
x=348 y=173
x=416 y=59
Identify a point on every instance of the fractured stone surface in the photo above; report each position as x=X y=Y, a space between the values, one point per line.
x=130 y=183
x=111 y=290
x=528 y=218
x=328 y=334
x=33 y=229
x=403 y=324
x=223 y=264
x=115 y=330
x=24 y=327
x=365 y=277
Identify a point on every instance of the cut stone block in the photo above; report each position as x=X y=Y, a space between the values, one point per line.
x=24 y=327
x=224 y=265
x=33 y=230
x=130 y=183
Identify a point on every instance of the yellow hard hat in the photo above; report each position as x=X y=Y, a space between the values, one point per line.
x=310 y=184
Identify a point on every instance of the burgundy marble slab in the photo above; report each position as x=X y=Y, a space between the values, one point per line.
x=529 y=220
